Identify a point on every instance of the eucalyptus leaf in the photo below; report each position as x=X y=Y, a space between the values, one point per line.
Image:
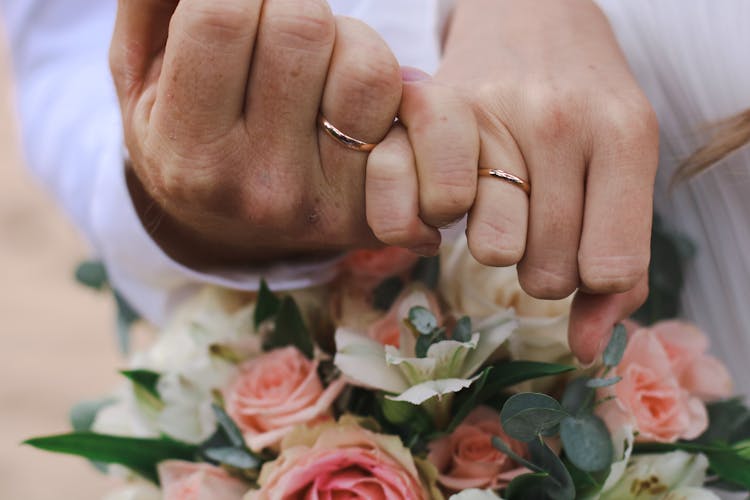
x=141 y=455
x=729 y=422
x=83 y=414
x=92 y=273
x=528 y=414
x=126 y=316
x=427 y=271
x=267 y=306
x=508 y=373
x=616 y=346
x=234 y=457
x=422 y=320
x=231 y=431
x=578 y=397
x=423 y=345
x=587 y=442
x=543 y=456
x=290 y=329
x=596 y=383
x=462 y=332
x=502 y=446
x=528 y=486
x=386 y=292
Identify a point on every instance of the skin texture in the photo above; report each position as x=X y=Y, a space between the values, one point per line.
x=220 y=99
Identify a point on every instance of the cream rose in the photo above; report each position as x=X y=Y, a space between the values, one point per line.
x=341 y=460
x=466 y=458
x=198 y=481
x=480 y=291
x=275 y=392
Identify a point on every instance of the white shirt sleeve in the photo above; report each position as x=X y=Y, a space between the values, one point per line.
x=72 y=136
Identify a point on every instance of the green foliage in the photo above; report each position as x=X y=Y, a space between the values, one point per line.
x=616 y=346
x=422 y=321
x=141 y=455
x=226 y=447
x=529 y=414
x=427 y=271
x=126 y=316
x=729 y=422
x=578 y=397
x=290 y=329
x=267 y=306
x=596 y=383
x=549 y=480
x=670 y=252
x=145 y=379
x=93 y=274
x=587 y=442
x=82 y=417
x=386 y=292
x=462 y=332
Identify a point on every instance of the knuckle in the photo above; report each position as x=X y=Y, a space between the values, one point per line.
x=298 y=24
x=492 y=245
x=553 y=115
x=374 y=78
x=221 y=20
x=630 y=119
x=549 y=283
x=612 y=274
x=401 y=231
x=444 y=201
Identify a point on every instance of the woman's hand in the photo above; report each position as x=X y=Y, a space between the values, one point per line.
x=557 y=106
x=220 y=101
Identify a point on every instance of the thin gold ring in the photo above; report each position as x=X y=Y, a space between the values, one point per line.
x=344 y=139
x=507 y=177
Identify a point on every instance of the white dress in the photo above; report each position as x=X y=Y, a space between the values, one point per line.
x=692 y=58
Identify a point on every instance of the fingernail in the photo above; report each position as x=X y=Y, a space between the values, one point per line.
x=425 y=250
x=411 y=74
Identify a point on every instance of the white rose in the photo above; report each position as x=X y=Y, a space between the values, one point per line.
x=655 y=477
x=140 y=491
x=480 y=291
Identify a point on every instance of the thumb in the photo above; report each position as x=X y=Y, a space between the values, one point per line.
x=593 y=316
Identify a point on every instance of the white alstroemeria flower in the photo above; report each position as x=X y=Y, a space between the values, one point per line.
x=475 y=494
x=448 y=367
x=661 y=476
x=622 y=440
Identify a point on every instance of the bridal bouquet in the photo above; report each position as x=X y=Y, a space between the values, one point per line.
x=412 y=378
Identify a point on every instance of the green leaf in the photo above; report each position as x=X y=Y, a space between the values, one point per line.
x=552 y=480
x=267 y=306
x=397 y=412
x=83 y=414
x=616 y=346
x=528 y=414
x=471 y=402
x=729 y=422
x=423 y=345
x=422 y=320
x=233 y=457
x=231 y=431
x=578 y=397
x=508 y=373
x=505 y=448
x=290 y=329
x=146 y=379
x=587 y=442
x=126 y=316
x=596 y=383
x=586 y=484
x=427 y=271
x=527 y=486
x=386 y=292
x=462 y=332
x=82 y=417
x=92 y=273
x=141 y=455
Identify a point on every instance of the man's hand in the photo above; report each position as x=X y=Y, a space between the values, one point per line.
x=220 y=99
x=558 y=106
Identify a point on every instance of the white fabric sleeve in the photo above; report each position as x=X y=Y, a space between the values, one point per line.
x=72 y=138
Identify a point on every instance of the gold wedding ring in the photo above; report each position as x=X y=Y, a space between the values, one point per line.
x=344 y=139
x=507 y=177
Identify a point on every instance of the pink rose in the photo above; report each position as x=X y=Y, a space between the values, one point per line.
x=341 y=460
x=466 y=459
x=650 y=395
x=388 y=329
x=275 y=392
x=198 y=481
x=379 y=264
x=699 y=373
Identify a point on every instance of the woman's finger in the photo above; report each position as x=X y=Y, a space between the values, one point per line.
x=592 y=318
x=444 y=134
x=392 y=196
x=497 y=224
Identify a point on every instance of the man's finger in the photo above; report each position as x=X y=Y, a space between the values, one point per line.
x=201 y=90
x=139 y=36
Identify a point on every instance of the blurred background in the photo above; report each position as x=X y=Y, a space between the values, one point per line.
x=57 y=337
